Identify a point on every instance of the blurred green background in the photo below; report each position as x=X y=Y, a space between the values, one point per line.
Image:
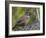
x=18 y=12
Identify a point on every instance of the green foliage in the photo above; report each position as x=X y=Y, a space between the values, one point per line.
x=18 y=12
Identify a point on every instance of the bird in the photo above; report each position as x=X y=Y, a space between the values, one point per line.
x=24 y=20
